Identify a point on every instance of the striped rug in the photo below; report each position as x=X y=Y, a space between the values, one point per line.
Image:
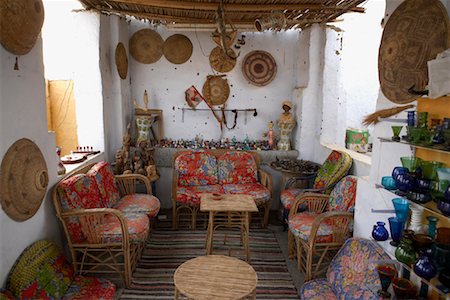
x=167 y=249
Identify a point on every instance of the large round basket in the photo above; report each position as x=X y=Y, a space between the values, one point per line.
x=146 y=46
x=221 y=62
x=23 y=180
x=121 y=60
x=259 y=67
x=216 y=90
x=177 y=48
x=414 y=34
x=20 y=24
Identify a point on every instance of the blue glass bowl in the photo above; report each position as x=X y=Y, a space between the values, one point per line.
x=388 y=183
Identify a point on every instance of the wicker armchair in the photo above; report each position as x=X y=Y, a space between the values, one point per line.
x=316 y=234
x=105 y=221
x=336 y=166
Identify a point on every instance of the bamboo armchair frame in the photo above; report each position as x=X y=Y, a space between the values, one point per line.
x=314 y=257
x=95 y=256
x=263 y=177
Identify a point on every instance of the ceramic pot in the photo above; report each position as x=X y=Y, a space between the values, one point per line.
x=379 y=232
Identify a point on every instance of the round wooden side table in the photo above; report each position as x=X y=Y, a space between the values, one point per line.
x=215 y=277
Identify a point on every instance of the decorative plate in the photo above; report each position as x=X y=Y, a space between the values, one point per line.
x=146 y=46
x=121 y=60
x=221 y=62
x=259 y=67
x=177 y=48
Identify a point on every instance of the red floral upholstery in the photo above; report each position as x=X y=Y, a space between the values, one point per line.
x=78 y=191
x=237 y=167
x=139 y=203
x=138 y=228
x=318 y=289
x=84 y=288
x=288 y=196
x=190 y=195
x=196 y=168
x=103 y=175
x=344 y=194
x=300 y=225
x=43 y=272
x=257 y=190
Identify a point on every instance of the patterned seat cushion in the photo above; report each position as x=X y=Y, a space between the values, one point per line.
x=111 y=231
x=288 y=196
x=237 y=167
x=190 y=195
x=76 y=192
x=257 y=190
x=352 y=270
x=343 y=195
x=139 y=203
x=196 y=168
x=90 y=288
x=333 y=169
x=300 y=225
x=103 y=175
x=318 y=289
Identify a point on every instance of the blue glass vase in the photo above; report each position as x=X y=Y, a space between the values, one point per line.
x=401 y=207
x=379 y=232
x=425 y=268
x=396 y=227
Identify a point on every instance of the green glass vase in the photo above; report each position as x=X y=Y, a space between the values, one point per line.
x=406 y=254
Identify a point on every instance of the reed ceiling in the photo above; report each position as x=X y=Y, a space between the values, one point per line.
x=241 y=13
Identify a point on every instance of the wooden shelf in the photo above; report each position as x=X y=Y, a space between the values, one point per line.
x=437 y=148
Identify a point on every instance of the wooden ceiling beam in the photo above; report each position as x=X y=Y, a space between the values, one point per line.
x=175 y=4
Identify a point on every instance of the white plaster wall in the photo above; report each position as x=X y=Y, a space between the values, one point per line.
x=23 y=115
x=166 y=83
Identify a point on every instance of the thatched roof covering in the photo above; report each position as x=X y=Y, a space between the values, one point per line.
x=241 y=13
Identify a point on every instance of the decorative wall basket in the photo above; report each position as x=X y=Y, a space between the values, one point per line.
x=276 y=21
x=415 y=33
x=121 y=60
x=221 y=62
x=259 y=67
x=177 y=48
x=216 y=90
x=146 y=46
x=23 y=180
x=20 y=24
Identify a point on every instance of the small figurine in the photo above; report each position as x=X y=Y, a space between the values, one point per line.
x=286 y=124
x=61 y=168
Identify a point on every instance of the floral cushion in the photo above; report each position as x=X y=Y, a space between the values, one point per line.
x=288 y=196
x=300 y=225
x=237 y=167
x=352 y=270
x=257 y=190
x=78 y=191
x=318 y=289
x=90 y=288
x=190 y=195
x=343 y=195
x=333 y=169
x=139 y=203
x=138 y=228
x=103 y=175
x=196 y=168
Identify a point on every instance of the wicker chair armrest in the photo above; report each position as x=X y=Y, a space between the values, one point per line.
x=91 y=216
x=266 y=179
x=314 y=202
x=340 y=221
x=127 y=183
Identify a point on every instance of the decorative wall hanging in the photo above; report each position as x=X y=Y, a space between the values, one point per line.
x=221 y=36
x=221 y=62
x=414 y=34
x=193 y=97
x=146 y=46
x=259 y=67
x=177 y=48
x=20 y=24
x=23 y=180
x=276 y=21
x=216 y=90
x=121 y=60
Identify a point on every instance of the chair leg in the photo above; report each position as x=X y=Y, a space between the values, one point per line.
x=291 y=247
x=174 y=217
x=266 y=214
x=194 y=218
x=285 y=219
x=299 y=254
x=309 y=258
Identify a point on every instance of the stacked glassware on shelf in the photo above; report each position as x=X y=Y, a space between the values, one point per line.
x=427 y=254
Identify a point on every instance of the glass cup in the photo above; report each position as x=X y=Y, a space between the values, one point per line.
x=401 y=207
x=396 y=227
x=396 y=131
x=386 y=273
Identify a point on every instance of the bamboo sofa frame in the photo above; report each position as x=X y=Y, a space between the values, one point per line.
x=95 y=256
x=263 y=177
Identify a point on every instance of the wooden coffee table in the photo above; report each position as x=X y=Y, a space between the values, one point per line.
x=215 y=277
x=231 y=211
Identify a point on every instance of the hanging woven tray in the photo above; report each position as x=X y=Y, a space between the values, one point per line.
x=177 y=48
x=216 y=90
x=146 y=46
x=259 y=67
x=121 y=60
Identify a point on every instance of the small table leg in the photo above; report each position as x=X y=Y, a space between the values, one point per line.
x=246 y=235
x=177 y=294
x=209 y=234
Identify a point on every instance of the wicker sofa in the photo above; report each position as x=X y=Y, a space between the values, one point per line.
x=218 y=171
x=43 y=272
x=105 y=220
